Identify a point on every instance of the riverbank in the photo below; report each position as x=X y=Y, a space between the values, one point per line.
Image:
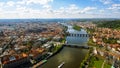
x=84 y=63
x=58 y=50
x=95 y=59
x=92 y=60
x=48 y=57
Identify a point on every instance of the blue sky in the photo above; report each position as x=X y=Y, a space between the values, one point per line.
x=59 y=9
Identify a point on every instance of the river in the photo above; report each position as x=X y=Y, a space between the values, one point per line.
x=71 y=56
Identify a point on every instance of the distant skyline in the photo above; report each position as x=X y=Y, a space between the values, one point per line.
x=12 y=9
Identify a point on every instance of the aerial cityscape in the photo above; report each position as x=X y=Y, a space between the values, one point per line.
x=59 y=33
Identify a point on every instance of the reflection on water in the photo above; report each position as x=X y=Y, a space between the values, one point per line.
x=76 y=40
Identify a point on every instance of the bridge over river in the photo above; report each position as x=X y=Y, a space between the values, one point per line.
x=78 y=35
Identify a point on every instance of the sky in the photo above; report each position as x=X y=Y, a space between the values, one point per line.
x=11 y=9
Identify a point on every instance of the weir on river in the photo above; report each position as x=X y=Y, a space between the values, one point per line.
x=78 y=35
x=76 y=46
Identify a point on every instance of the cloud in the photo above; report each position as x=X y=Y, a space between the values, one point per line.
x=73 y=11
x=115 y=7
x=47 y=12
x=21 y=2
x=20 y=9
x=73 y=7
x=106 y=1
x=1 y=4
x=42 y=2
x=10 y=3
x=44 y=9
x=61 y=10
x=85 y=10
x=101 y=11
x=47 y=6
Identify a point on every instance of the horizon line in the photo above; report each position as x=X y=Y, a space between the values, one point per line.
x=59 y=18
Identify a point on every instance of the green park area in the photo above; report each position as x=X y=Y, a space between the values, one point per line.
x=96 y=62
x=76 y=27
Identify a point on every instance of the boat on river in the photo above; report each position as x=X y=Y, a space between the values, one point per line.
x=60 y=66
